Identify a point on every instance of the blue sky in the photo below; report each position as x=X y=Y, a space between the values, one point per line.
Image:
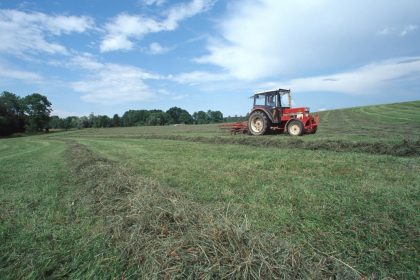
x=107 y=57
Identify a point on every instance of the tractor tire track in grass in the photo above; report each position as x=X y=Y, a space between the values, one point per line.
x=162 y=233
x=384 y=116
x=29 y=147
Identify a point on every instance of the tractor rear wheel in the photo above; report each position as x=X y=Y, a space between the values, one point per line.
x=258 y=123
x=295 y=128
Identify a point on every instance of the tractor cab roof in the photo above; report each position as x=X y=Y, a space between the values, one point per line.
x=270 y=92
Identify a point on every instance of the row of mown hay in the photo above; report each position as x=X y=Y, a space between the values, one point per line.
x=161 y=233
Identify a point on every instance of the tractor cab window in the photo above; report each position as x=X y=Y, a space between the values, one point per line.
x=259 y=100
x=270 y=100
x=267 y=100
x=284 y=100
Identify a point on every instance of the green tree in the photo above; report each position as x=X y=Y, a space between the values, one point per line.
x=178 y=115
x=91 y=119
x=235 y=118
x=37 y=109
x=55 y=122
x=67 y=123
x=200 y=117
x=102 y=121
x=84 y=122
x=185 y=117
x=215 y=116
x=135 y=117
x=116 y=121
x=157 y=117
x=12 y=118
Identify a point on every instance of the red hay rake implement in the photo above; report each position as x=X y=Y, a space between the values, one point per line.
x=234 y=128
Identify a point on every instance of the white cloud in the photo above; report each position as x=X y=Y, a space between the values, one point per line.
x=179 y=97
x=199 y=77
x=153 y=2
x=156 y=48
x=65 y=113
x=184 y=11
x=22 y=32
x=408 y=29
x=268 y=38
x=397 y=31
x=108 y=83
x=384 y=31
x=369 y=79
x=9 y=72
x=85 y=61
x=125 y=28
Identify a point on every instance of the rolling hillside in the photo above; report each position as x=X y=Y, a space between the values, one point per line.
x=391 y=122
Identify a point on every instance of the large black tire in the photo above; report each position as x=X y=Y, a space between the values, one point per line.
x=295 y=128
x=257 y=123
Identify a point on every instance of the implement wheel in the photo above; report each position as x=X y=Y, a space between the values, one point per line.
x=258 y=123
x=295 y=128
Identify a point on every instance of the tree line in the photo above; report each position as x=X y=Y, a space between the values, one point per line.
x=28 y=114
x=32 y=114
x=174 y=115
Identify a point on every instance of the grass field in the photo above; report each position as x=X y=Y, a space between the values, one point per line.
x=195 y=202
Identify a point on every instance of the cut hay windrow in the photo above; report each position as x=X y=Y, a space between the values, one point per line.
x=402 y=148
x=405 y=148
x=162 y=233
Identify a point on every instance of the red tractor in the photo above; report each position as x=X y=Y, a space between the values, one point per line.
x=268 y=113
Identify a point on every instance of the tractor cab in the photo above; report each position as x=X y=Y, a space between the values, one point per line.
x=271 y=103
x=271 y=99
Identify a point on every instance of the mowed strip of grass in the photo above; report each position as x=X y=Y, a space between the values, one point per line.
x=359 y=208
x=48 y=228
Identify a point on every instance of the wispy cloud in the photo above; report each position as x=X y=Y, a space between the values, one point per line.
x=397 y=31
x=369 y=79
x=408 y=29
x=65 y=113
x=108 y=83
x=156 y=48
x=10 y=72
x=152 y=2
x=199 y=77
x=22 y=32
x=125 y=29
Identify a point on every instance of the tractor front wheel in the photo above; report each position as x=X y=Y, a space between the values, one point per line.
x=295 y=128
x=258 y=123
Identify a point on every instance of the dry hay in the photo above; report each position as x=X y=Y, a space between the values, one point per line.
x=164 y=234
x=404 y=148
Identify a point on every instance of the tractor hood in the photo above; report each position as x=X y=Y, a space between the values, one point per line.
x=299 y=110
